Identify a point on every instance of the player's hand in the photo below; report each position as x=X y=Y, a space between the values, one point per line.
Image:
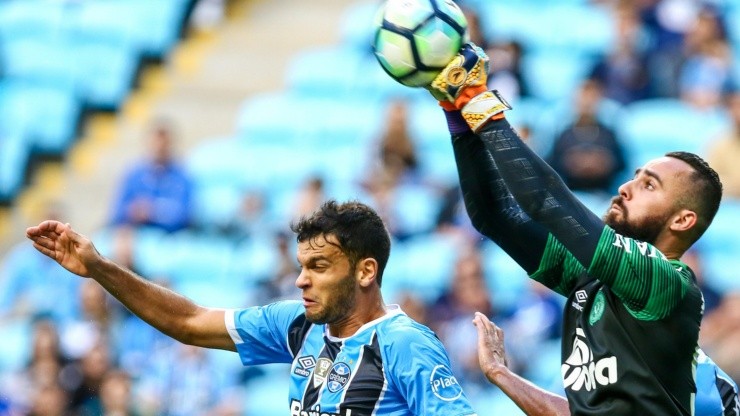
x=71 y=250
x=491 y=352
x=468 y=71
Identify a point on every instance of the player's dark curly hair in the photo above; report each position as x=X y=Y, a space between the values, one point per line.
x=705 y=193
x=358 y=228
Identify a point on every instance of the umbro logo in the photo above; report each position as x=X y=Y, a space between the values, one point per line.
x=305 y=364
x=581 y=296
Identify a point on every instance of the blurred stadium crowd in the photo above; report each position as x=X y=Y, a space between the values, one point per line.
x=598 y=88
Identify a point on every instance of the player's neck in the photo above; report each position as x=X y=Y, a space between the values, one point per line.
x=364 y=311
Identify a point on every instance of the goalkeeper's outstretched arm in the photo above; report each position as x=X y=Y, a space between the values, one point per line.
x=541 y=193
x=492 y=209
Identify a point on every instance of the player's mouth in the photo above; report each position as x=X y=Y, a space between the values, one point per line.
x=308 y=302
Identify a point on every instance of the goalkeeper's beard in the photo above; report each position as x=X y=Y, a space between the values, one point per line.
x=646 y=229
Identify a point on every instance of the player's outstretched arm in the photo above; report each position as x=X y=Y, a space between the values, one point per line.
x=492 y=209
x=536 y=187
x=533 y=400
x=169 y=312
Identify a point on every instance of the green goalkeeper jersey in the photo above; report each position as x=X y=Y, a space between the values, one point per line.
x=631 y=324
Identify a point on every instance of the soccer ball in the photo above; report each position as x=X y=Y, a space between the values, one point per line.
x=416 y=39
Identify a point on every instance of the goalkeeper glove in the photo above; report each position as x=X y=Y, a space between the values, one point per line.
x=462 y=86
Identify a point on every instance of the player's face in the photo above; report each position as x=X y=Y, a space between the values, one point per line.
x=646 y=203
x=327 y=280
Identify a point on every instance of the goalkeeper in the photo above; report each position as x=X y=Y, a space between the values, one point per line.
x=633 y=310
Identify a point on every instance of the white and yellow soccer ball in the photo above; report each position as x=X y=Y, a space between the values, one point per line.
x=415 y=39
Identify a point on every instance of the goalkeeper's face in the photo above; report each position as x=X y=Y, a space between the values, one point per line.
x=646 y=205
x=327 y=280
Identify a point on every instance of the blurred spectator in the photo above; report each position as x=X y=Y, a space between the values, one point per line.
x=453 y=218
x=451 y=314
x=667 y=22
x=623 y=71
x=720 y=334
x=537 y=318
x=392 y=171
x=115 y=395
x=93 y=323
x=397 y=151
x=309 y=197
x=50 y=401
x=706 y=72
x=724 y=153
x=413 y=306
x=91 y=369
x=506 y=73
x=47 y=367
x=475 y=31
x=693 y=258
x=587 y=154
x=250 y=218
x=186 y=381
x=281 y=285
x=157 y=191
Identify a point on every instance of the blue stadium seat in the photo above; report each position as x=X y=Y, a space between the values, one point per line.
x=25 y=101
x=506 y=280
x=294 y=119
x=720 y=250
x=106 y=66
x=549 y=26
x=650 y=128
x=554 y=75
x=424 y=265
x=342 y=72
x=357 y=28
x=268 y=395
x=154 y=26
x=732 y=23
x=15 y=153
x=16 y=346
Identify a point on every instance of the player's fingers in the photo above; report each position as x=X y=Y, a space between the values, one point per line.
x=44 y=250
x=44 y=242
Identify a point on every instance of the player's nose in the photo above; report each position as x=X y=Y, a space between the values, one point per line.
x=302 y=281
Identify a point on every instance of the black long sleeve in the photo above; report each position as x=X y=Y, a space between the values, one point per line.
x=491 y=207
x=541 y=193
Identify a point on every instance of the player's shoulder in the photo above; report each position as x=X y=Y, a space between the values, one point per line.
x=400 y=329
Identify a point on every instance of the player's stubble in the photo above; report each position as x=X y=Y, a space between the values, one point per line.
x=645 y=229
x=340 y=302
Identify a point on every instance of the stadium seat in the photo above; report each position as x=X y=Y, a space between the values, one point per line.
x=720 y=250
x=549 y=26
x=24 y=102
x=293 y=119
x=357 y=28
x=154 y=26
x=554 y=75
x=650 y=128
x=268 y=395
x=107 y=66
x=15 y=348
x=506 y=280
x=424 y=265
x=15 y=153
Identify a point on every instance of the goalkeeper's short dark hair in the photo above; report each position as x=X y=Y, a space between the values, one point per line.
x=359 y=230
x=705 y=193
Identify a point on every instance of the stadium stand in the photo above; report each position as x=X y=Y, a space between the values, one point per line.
x=60 y=61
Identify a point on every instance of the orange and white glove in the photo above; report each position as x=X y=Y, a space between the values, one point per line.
x=462 y=86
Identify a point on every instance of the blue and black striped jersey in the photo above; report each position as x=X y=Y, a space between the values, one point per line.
x=716 y=392
x=390 y=366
